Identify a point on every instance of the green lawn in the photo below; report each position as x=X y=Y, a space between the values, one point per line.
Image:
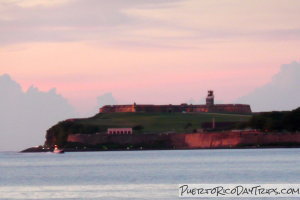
x=157 y=122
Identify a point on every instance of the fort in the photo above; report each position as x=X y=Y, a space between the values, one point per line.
x=208 y=107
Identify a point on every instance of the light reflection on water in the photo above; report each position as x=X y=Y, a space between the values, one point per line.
x=139 y=174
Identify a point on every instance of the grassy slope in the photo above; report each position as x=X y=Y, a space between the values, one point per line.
x=158 y=122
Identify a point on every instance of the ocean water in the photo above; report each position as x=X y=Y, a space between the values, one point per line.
x=139 y=175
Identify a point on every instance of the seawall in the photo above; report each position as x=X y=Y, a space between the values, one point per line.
x=191 y=140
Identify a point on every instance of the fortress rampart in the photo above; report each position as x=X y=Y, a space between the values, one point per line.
x=191 y=140
x=208 y=107
x=220 y=108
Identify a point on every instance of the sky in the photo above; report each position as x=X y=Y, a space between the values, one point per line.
x=150 y=51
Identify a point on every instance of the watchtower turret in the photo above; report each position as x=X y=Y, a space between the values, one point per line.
x=133 y=107
x=210 y=98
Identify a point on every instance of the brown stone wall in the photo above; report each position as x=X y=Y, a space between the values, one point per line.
x=98 y=139
x=230 y=108
x=198 y=108
x=117 y=108
x=222 y=108
x=159 y=108
x=193 y=140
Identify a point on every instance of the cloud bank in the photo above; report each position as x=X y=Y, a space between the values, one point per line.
x=281 y=93
x=69 y=20
x=25 y=116
x=106 y=99
x=154 y=23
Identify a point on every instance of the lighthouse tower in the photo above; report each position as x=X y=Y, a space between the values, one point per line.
x=210 y=98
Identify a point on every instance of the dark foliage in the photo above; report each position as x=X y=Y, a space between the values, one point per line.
x=58 y=133
x=138 y=127
x=276 y=121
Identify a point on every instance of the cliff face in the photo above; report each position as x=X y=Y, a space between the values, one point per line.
x=190 y=140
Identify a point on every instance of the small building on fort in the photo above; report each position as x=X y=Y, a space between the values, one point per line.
x=210 y=106
x=119 y=131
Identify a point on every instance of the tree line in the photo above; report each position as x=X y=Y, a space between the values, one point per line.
x=275 y=121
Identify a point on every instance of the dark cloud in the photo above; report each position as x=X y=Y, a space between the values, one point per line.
x=282 y=93
x=25 y=116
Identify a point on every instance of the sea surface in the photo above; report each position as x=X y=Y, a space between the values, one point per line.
x=138 y=175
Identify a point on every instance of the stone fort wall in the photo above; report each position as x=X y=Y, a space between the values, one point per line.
x=208 y=107
x=191 y=140
x=219 y=108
